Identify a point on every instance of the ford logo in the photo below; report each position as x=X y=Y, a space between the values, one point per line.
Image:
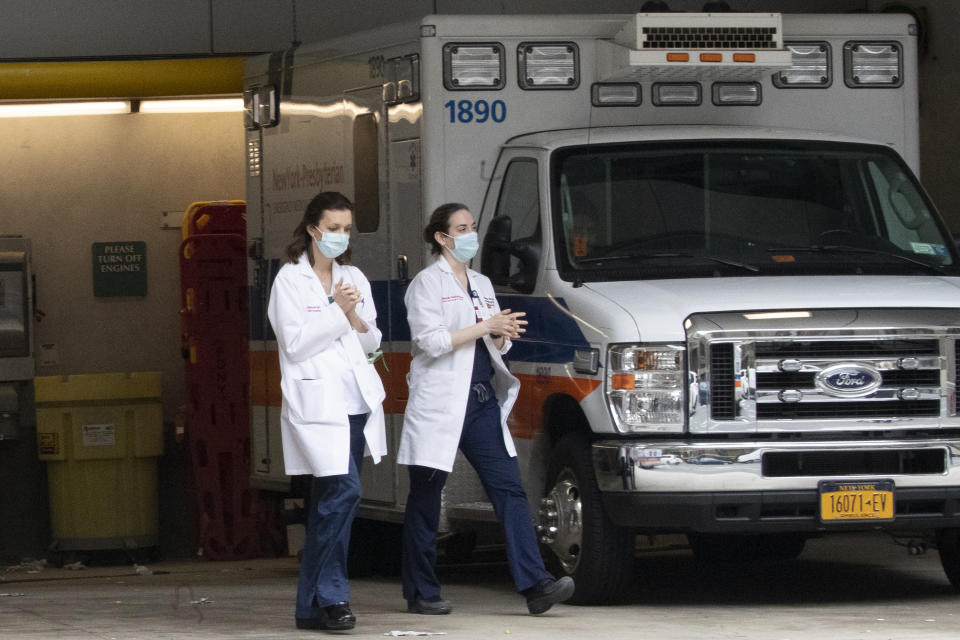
x=848 y=380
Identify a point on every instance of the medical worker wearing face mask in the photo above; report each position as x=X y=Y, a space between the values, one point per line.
x=460 y=396
x=322 y=313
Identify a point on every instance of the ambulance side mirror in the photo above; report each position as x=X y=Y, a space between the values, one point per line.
x=527 y=252
x=495 y=254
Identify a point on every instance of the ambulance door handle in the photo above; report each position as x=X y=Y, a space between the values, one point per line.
x=402 y=273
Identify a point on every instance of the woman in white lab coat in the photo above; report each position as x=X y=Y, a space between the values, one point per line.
x=322 y=312
x=461 y=393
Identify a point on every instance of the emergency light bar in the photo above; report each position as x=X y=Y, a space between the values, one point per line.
x=738 y=47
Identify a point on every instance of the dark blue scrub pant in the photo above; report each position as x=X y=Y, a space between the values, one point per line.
x=482 y=443
x=331 y=507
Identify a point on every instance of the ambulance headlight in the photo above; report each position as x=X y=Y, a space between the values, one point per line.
x=473 y=66
x=809 y=67
x=872 y=64
x=615 y=94
x=645 y=387
x=548 y=65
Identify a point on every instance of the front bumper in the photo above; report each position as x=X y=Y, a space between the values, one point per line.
x=728 y=487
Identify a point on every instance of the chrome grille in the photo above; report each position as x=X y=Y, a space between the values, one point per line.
x=812 y=356
x=791 y=375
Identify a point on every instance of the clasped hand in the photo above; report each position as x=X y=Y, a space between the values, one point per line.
x=346 y=296
x=507 y=323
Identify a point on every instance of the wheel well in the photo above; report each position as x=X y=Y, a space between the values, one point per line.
x=562 y=415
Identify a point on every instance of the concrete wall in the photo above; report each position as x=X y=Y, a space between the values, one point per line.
x=104 y=179
x=939 y=96
x=73 y=181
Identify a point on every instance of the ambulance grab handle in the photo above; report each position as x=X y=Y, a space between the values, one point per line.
x=402 y=274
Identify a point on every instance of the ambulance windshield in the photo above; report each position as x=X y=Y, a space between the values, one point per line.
x=728 y=208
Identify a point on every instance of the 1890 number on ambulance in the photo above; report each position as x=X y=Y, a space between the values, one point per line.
x=465 y=111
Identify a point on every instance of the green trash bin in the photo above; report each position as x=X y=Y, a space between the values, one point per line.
x=100 y=435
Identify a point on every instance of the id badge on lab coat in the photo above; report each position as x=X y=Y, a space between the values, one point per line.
x=480 y=310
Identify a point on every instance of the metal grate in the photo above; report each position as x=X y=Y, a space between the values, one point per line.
x=956 y=363
x=778 y=464
x=254 y=158
x=808 y=410
x=841 y=349
x=805 y=380
x=722 y=382
x=709 y=38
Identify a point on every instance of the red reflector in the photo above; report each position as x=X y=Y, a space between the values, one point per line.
x=711 y=57
x=678 y=57
x=744 y=57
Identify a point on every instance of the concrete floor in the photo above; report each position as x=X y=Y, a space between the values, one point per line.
x=860 y=587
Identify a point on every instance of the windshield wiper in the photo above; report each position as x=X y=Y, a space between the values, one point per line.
x=650 y=256
x=838 y=248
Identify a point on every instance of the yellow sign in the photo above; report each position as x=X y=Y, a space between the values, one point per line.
x=49 y=444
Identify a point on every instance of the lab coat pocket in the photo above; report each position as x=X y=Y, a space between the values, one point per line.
x=320 y=401
x=430 y=396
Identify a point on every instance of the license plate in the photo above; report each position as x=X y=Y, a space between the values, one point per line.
x=852 y=501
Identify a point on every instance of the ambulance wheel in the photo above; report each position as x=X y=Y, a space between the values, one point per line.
x=580 y=539
x=948 y=542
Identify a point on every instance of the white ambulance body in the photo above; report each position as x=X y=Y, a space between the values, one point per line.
x=744 y=311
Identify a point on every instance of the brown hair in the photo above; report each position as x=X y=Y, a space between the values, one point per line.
x=323 y=201
x=440 y=221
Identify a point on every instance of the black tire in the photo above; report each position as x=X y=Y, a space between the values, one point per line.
x=599 y=557
x=948 y=542
x=730 y=548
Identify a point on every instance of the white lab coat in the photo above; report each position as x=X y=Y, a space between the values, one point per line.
x=313 y=417
x=439 y=378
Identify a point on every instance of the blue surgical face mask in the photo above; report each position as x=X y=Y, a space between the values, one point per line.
x=465 y=246
x=333 y=244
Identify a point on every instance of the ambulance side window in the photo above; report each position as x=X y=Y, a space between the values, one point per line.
x=520 y=201
x=366 y=173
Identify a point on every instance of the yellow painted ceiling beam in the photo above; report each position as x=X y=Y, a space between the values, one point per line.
x=120 y=78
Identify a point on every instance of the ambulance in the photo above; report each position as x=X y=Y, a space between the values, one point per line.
x=744 y=310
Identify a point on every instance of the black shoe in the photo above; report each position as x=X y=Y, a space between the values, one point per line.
x=547 y=593
x=335 y=617
x=428 y=608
